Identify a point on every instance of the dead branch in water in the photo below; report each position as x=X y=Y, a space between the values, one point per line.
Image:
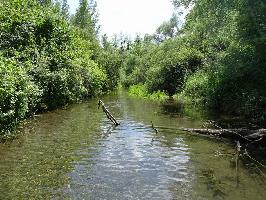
x=152 y=126
x=246 y=135
x=238 y=149
x=108 y=114
x=242 y=134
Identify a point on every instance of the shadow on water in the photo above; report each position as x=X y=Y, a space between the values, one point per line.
x=76 y=153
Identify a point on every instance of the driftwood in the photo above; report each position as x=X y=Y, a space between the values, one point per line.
x=152 y=126
x=240 y=134
x=247 y=135
x=108 y=114
x=238 y=151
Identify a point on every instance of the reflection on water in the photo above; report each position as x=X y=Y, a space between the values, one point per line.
x=129 y=164
x=77 y=154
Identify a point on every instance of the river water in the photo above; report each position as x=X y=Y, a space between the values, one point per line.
x=76 y=153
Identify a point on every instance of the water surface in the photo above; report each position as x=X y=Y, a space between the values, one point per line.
x=76 y=153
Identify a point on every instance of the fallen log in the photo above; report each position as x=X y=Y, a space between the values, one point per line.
x=242 y=134
x=247 y=135
x=108 y=114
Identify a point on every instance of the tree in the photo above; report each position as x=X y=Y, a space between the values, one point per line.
x=86 y=16
x=82 y=18
x=45 y=62
x=105 y=43
x=231 y=34
x=94 y=15
x=185 y=3
x=45 y=2
x=65 y=9
x=168 y=29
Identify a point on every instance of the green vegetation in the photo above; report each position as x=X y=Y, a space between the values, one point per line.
x=216 y=59
x=48 y=59
x=141 y=91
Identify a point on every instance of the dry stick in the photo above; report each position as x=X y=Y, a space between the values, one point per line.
x=108 y=114
x=215 y=132
x=243 y=134
x=152 y=126
x=253 y=159
x=238 y=149
x=249 y=156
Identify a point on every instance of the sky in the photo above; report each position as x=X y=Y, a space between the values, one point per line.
x=130 y=17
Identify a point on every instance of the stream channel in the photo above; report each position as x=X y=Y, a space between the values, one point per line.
x=75 y=153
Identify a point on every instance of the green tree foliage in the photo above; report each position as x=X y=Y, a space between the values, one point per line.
x=217 y=59
x=86 y=21
x=232 y=36
x=18 y=94
x=65 y=9
x=162 y=67
x=110 y=58
x=86 y=18
x=45 y=62
x=82 y=17
x=168 y=29
x=171 y=65
x=94 y=16
x=45 y=2
x=136 y=61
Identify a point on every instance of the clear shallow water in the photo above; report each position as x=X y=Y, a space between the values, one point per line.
x=75 y=153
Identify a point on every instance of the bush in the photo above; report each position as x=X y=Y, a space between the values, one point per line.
x=171 y=67
x=140 y=90
x=195 y=89
x=110 y=60
x=45 y=61
x=18 y=94
x=233 y=85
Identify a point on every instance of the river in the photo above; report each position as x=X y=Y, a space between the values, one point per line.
x=76 y=153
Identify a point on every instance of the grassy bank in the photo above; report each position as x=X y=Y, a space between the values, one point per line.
x=142 y=92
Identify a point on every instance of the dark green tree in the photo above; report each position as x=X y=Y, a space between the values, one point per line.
x=45 y=2
x=82 y=18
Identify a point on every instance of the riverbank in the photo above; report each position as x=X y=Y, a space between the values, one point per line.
x=195 y=105
x=247 y=133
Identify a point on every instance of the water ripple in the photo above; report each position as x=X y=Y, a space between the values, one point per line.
x=127 y=166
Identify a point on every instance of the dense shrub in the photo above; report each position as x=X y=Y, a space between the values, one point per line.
x=234 y=77
x=46 y=62
x=163 y=67
x=18 y=94
x=216 y=59
x=137 y=61
x=141 y=91
x=170 y=68
x=110 y=60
